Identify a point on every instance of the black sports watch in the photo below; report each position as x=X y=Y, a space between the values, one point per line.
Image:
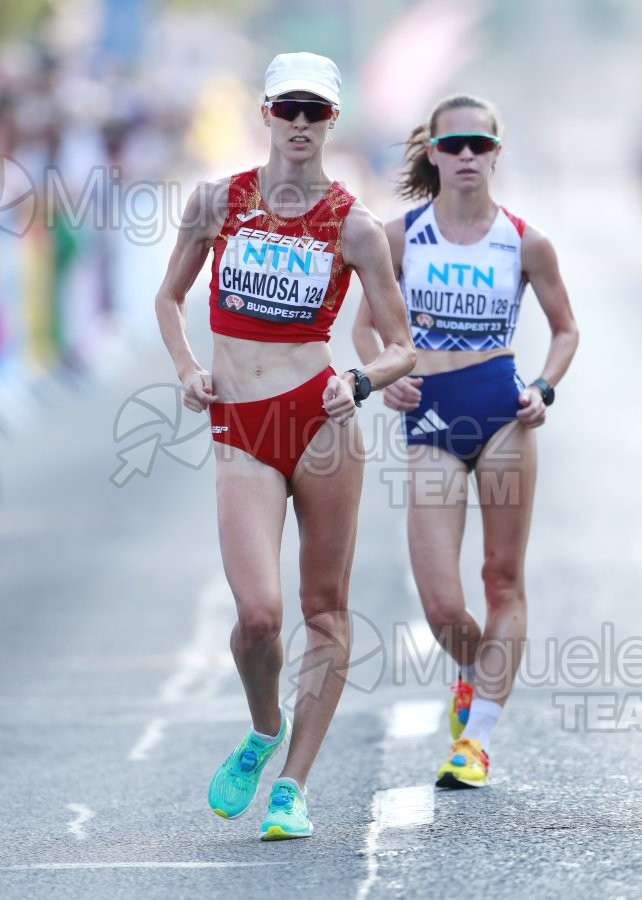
x=362 y=386
x=548 y=392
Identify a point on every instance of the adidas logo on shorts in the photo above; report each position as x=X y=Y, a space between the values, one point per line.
x=429 y=422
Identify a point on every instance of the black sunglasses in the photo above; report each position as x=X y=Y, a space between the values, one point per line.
x=313 y=110
x=478 y=143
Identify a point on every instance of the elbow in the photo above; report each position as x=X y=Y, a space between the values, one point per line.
x=406 y=359
x=161 y=301
x=158 y=306
x=411 y=358
x=574 y=336
x=165 y=301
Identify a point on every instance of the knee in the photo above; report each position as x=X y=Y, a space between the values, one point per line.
x=258 y=625
x=326 y=595
x=328 y=625
x=444 y=609
x=503 y=583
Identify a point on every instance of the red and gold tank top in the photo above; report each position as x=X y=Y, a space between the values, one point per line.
x=278 y=279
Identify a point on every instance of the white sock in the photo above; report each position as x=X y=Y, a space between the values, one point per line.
x=301 y=790
x=468 y=673
x=481 y=721
x=270 y=738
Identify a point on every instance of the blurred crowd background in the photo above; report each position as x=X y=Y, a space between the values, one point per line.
x=112 y=110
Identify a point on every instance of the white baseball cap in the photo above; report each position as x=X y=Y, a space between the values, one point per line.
x=303 y=72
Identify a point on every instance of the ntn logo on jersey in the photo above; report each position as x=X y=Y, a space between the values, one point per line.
x=462 y=273
x=284 y=258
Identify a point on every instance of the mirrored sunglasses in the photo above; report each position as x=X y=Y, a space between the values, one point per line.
x=313 y=110
x=478 y=143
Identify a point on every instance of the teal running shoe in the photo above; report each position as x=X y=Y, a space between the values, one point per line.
x=236 y=782
x=287 y=815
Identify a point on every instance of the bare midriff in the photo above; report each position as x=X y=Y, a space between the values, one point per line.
x=433 y=362
x=244 y=370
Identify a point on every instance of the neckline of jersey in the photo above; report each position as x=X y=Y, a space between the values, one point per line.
x=289 y=219
x=452 y=243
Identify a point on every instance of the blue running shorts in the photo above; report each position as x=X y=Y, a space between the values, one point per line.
x=460 y=411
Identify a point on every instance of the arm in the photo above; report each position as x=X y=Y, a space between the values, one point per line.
x=366 y=249
x=540 y=266
x=204 y=214
x=403 y=395
x=364 y=333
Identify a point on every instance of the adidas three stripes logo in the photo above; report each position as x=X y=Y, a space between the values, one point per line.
x=429 y=422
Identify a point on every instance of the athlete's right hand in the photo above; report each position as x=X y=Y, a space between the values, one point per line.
x=403 y=395
x=338 y=399
x=198 y=391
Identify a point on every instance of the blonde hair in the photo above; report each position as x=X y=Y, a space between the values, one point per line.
x=420 y=180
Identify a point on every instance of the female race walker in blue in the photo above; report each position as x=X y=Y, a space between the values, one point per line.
x=463 y=262
x=285 y=240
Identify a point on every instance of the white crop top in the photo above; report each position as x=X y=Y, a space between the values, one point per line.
x=462 y=297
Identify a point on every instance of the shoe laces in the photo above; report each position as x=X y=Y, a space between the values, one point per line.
x=465 y=745
x=251 y=755
x=248 y=760
x=283 y=797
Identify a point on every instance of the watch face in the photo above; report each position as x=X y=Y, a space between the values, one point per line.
x=362 y=386
x=365 y=386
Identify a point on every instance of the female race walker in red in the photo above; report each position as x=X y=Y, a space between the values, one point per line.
x=285 y=239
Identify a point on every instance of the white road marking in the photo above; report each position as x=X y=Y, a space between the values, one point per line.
x=405 y=807
x=415 y=718
x=209 y=645
x=400 y=807
x=206 y=659
x=83 y=815
x=152 y=735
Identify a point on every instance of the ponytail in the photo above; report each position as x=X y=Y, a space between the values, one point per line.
x=420 y=180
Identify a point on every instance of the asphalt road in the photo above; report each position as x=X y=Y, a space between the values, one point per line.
x=118 y=697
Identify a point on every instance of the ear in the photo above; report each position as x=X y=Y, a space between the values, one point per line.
x=496 y=153
x=431 y=154
x=265 y=112
x=335 y=116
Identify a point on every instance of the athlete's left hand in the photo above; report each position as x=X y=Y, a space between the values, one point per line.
x=338 y=399
x=533 y=412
